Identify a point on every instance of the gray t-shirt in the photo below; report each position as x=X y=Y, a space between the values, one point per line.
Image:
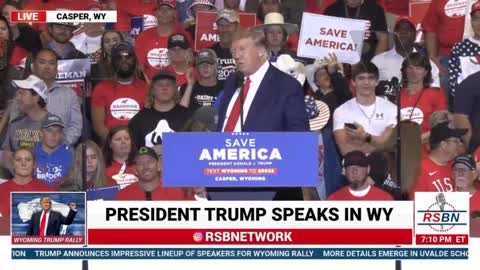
x=22 y=132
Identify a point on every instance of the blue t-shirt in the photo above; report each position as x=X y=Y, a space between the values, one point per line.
x=53 y=167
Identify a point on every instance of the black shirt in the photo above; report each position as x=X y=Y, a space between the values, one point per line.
x=148 y=125
x=467 y=101
x=202 y=95
x=226 y=65
x=369 y=11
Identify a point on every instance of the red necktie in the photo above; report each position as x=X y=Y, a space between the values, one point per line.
x=235 y=113
x=43 y=224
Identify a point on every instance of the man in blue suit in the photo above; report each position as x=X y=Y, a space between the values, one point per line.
x=272 y=101
x=48 y=222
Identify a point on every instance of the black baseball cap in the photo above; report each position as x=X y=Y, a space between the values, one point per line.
x=122 y=47
x=146 y=151
x=355 y=158
x=164 y=74
x=466 y=160
x=52 y=120
x=178 y=40
x=443 y=131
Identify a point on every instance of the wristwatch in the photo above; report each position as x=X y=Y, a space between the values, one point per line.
x=368 y=138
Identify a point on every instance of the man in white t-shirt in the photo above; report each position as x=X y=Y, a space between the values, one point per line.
x=366 y=121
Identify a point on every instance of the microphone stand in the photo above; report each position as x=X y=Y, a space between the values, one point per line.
x=84 y=149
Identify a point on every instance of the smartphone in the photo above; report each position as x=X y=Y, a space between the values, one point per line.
x=350 y=126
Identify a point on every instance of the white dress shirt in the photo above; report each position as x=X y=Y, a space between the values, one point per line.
x=255 y=80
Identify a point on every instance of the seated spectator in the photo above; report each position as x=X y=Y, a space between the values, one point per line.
x=23 y=181
x=119 y=151
x=149 y=187
x=376 y=37
x=227 y=22
x=418 y=101
x=436 y=168
x=276 y=35
x=103 y=69
x=95 y=169
x=163 y=113
x=151 y=45
x=463 y=59
x=193 y=9
x=389 y=63
x=464 y=172
x=61 y=34
x=8 y=70
x=54 y=158
x=366 y=121
x=24 y=131
x=144 y=10
x=25 y=39
x=115 y=102
x=205 y=91
x=180 y=56
x=359 y=187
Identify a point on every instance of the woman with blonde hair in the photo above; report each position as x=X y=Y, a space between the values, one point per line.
x=95 y=169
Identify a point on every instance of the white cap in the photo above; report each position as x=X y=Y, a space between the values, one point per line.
x=34 y=83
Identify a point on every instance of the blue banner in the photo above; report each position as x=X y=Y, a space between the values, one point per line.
x=137 y=25
x=263 y=159
x=242 y=253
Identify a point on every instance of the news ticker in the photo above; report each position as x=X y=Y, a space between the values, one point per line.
x=241 y=253
x=63 y=16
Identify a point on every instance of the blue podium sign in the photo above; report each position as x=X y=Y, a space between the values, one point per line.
x=261 y=159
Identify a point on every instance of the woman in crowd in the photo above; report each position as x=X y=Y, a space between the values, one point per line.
x=22 y=181
x=103 y=70
x=95 y=169
x=417 y=99
x=119 y=152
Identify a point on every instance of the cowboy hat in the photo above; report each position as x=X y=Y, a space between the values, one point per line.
x=288 y=65
x=274 y=18
x=312 y=68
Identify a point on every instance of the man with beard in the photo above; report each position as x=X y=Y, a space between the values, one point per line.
x=149 y=186
x=61 y=34
x=116 y=101
x=359 y=188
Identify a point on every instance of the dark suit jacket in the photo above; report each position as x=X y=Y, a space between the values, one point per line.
x=278 y=105
x=55 y=221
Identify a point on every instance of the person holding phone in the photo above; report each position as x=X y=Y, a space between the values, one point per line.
x=366 y=121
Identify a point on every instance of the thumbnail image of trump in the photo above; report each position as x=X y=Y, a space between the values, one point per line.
x=48 y=221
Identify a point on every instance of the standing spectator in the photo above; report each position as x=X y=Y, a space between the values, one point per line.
x=95 y=169
x=119 y=151
x=390 y=62
x=277 y=33
x=227 y=23
x=25 y=39
x=441 y=25
x=366 y=121
x=61 y=34
x=359 y=187
x=436 y=169
x=8 y=70
x=24 y=130
x=126 y=10
x=317 y=6
x=116 y=101
x=193 y=9
x=149 y=187
x=377 y=41
x=180 y=56
x=103 y=69
x=54 y=158
x=464 y=55
x=464 y=172
x=205 y=91
x=151 y=45
x=22 y=181
x=163 y=114
x=62 y=100
x=418 y=101
x=393 y=10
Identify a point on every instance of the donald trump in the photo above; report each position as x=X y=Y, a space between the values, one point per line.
x=48 y=222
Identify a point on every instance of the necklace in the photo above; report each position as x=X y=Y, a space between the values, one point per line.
x=365 y=114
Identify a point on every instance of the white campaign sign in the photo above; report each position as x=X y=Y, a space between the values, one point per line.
x=321 y=35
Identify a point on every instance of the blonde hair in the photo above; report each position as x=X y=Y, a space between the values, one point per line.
x=75 y=174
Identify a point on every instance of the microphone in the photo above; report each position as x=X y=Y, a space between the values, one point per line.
x=239 y=81
x=440 y=198
x=148 y=195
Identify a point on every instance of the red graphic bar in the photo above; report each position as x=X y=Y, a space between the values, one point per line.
x=23 y=16
x=48 y=240
x=441 y=239
x=250 y=236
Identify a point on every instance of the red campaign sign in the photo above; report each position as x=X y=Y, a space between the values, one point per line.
x=418 y=9
x=206 y=27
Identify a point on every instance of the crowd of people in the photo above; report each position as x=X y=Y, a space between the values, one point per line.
x=145 y=84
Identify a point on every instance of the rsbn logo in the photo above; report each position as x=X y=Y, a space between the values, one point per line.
x=441 y=216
